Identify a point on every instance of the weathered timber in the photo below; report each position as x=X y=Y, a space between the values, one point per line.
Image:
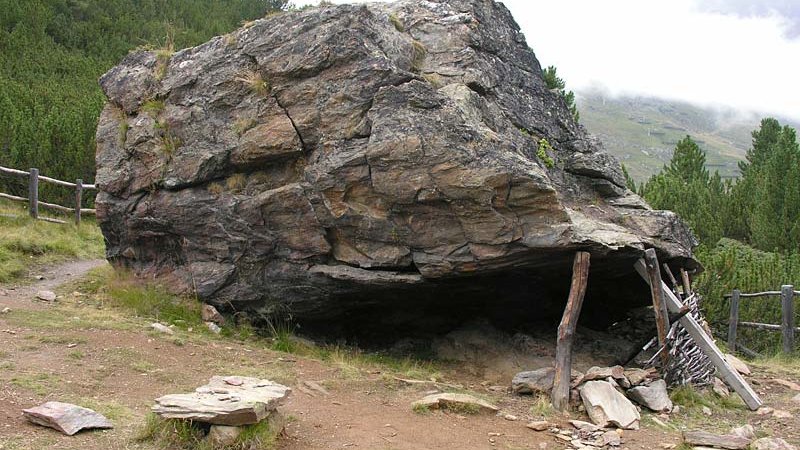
x=566 y=331
x=13 y=198
x=787 y=313
x=55 y=207
x=659 y=306
x=766 y=326
x=78 y=200
x=733 y=320
x=671 y=277
x=687 y=283
x=33 y=193
x=10 y=171
x=729 y=375
x=755 y=294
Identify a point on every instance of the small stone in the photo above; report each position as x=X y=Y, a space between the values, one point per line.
x=737 y=364
x=720 y=388
x=581 y=425
x=223 y=436
x=6 y=310
x=540 y=425
x=745 y=431
x=65 y=417
x=782 y=414
x=48 y=296
x=707 y=411
x=162 y=328
x=446 y=400
x=764 y=411
x=210 y=314
x=510 y=417
x=612 y=438
x=636 y=376
x=771 y=443
x=786 y=383
x=214 y=328
x=796 y=398
x=727 y=441
x=654 y=397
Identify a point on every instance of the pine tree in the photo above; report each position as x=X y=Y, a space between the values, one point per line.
x=553 y=81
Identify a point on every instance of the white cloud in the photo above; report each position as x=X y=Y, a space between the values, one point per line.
x=676 y=50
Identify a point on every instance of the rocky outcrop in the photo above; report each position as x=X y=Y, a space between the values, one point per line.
x=384 y=155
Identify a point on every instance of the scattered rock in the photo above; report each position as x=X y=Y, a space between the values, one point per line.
x=654 y=397
x=65 y=417
x=317 y=387
x=707 y=411
x=728 y=441
x=737 y=364
x=213 y=327
x=745 y=431
x=764 y=411
x=771 y=443
x=510 y=417
x=5 y=310
x=782 y=414
x=586 y=426
x=606 y=406
x=223 y=435
x=796 y=398
x=533 y=381
x=47 y=296
x=222 y=402
x=720 y=388
x=786 y=383
x=539 y=425
x=601 y=373
x=161 y=328
x=457 y=401
x=612 y=438
x=210 y=314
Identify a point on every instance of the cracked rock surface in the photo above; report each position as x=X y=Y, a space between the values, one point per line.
x=318 y=161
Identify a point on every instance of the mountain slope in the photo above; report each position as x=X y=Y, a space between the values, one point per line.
x=642 y=131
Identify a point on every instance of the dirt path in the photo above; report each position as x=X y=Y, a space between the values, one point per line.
x=80 y=351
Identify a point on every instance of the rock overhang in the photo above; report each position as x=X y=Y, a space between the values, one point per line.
x=337 y=161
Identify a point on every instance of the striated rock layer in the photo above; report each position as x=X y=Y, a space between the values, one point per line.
x=360 y=158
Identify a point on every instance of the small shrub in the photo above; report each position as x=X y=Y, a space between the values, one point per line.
x=398 y=24
x=542 y=407
x=153 y=107
x=421 y=409
x=215 y=188
x=419 y=52
x=255 y=81
x=236 y=182
x=542 y=153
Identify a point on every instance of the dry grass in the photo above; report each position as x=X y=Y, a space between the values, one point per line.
x=255 y=81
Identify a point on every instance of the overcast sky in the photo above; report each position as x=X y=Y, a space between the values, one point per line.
x=736 y=53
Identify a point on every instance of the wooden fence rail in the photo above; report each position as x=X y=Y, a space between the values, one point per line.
x=33 y=195
x=787 y=326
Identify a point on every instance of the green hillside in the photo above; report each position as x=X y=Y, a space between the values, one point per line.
x=642 y=132
x=52 y=53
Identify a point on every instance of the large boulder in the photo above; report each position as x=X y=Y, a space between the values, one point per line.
x=403 y=154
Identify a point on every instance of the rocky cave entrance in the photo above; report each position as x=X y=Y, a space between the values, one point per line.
x=525 y=301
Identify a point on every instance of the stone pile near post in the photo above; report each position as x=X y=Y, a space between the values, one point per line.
x=227 y=404
x=607 y=393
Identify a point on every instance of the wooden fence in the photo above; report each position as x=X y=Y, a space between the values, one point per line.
x=787 y=326
x=33 y=195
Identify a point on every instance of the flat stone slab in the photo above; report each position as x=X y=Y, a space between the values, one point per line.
x=728 y=441
x=451 y=400
x=65 y=417
x=231 y=401
x=606 y=406
x=654 y=396
x=769 y=443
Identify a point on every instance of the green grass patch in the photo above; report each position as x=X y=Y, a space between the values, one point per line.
x=542 y=407
x=188 y=435
x=76 y=354
x=25 y=242
x=40 y=384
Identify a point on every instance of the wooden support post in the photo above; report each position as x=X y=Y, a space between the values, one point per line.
x=706 y=344
x=671 y=277
x=33 y=193
x=659 y=305
x=733 y=321
x=566 y=331
x=687 y=283
x=787 y=311
x=78 y=200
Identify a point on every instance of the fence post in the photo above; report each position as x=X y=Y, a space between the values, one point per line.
x=787 y=324
x=78 y=200
x=33 y=193
x=733 y=321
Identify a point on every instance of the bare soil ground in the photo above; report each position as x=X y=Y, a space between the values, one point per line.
x=79 y=351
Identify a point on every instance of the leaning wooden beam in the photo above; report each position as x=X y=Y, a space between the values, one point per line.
x=659 y=306
x=706 y=344
x=566 y=331
x=671 y=277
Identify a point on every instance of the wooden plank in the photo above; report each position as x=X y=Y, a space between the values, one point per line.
x=659 y=306
x=33 y=193
x=9 y=171
x=706 y=344
x=671 y=277
x=57 y=182
x=48 y=219
x=56 y=207
x=13 y=198
x=787 y=322
x=566 y=331
x=687 y=283
x=733 y=321
x=755 y=294
x=88 y=211
x=78 y=200
x=766 y=326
